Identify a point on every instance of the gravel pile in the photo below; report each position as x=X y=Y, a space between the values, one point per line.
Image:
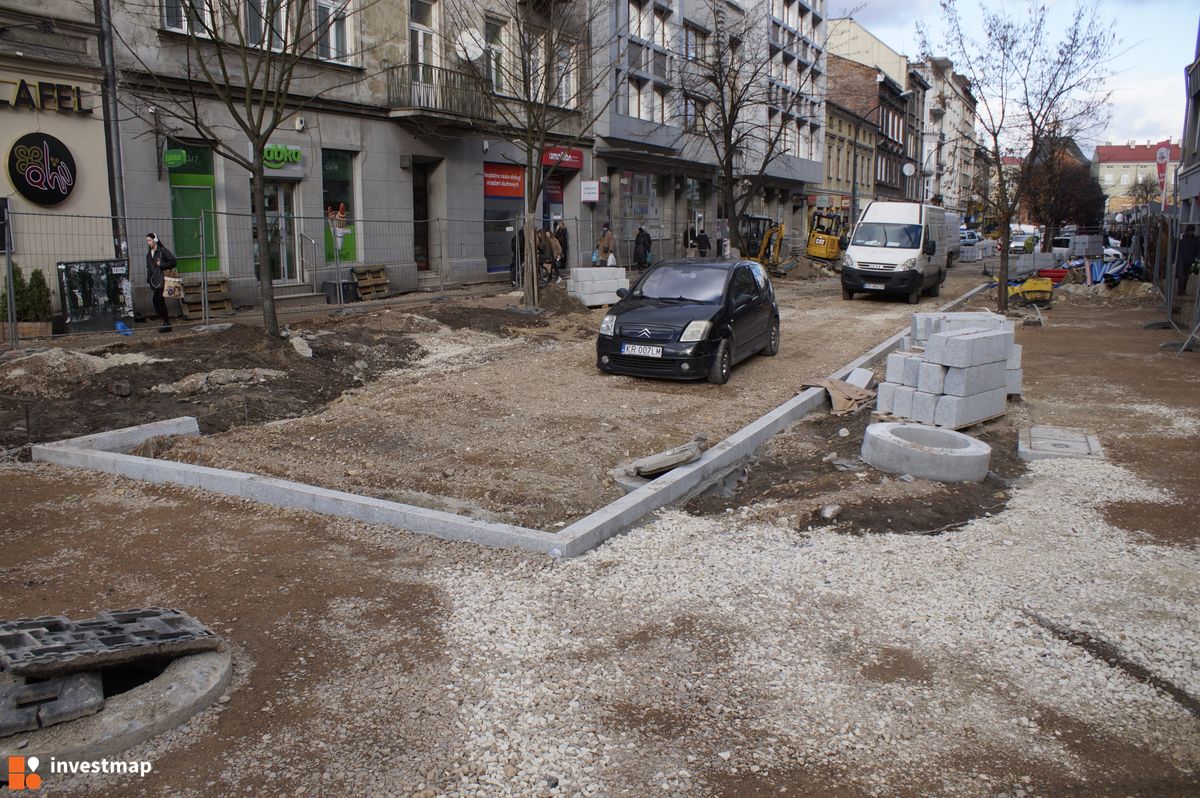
x=695 y=649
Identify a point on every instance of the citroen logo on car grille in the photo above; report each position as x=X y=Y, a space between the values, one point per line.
x=643 y=333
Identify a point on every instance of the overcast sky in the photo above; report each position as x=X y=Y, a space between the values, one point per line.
x=1157 y=41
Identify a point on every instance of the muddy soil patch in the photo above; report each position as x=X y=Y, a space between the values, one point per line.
x=496 y=321
x=67 y=393
x=812 y=465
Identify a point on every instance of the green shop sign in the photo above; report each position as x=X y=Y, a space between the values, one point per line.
x=280 y=156
x=173 y=159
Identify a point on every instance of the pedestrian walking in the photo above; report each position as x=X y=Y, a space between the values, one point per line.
x=641 y=249
x=159 y=261
x=606 y=247
x=560 y=233
x=702 y=244
x=1185 y=258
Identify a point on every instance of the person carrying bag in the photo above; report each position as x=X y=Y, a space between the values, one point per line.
x=607 y=247
x=160 y=267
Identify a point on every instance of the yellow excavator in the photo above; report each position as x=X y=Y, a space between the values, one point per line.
x=823 y=242
x=764 y=236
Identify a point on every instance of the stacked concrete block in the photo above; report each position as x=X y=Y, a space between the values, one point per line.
x=596 y=285
x=1014 y=376
x=957 y=369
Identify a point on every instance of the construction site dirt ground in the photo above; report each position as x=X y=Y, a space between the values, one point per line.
x=1030 y=635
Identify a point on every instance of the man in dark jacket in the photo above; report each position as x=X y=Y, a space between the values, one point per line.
x=159 y=261
x=1185 y=257
x=703 y=245
x=641 y=249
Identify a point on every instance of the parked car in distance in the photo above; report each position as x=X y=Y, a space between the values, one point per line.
x=1017 y=243
x=969 y=238
x=1061 y=246
x=690 y=319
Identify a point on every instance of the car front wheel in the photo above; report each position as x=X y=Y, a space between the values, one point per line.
x=722 y=364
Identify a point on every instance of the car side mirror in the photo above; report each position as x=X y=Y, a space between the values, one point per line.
x=742 y=299
x=622 y=292
x=930 y=247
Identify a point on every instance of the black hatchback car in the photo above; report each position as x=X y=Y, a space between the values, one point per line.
x=690 y=319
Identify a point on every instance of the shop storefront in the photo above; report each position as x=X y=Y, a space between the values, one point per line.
x=55 y=167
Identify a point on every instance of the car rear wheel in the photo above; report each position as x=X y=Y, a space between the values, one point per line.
x=772 y=347
x=722 y=364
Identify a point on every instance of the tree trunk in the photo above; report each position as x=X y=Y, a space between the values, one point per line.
x=266 y=290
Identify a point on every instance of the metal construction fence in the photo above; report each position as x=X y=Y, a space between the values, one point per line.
x=1156 y=240
x=304 y=256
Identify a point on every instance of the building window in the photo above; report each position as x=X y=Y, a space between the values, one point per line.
x=693 y=115
x=332 y=44
x=186 y=16
x=693 y=44
x=337 y=195
x=564 y=76
x=421 y=28
x=266 y=23
x=493 y=34
x=641 y=19
x=662 y=34
x=1125 y=179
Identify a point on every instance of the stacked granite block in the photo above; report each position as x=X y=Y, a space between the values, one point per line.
x=596 y=285
x=954 y=370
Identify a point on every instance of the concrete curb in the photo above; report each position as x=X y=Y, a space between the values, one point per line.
x=187 y=686
x=105 y=452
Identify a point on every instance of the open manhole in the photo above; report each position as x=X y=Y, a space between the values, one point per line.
x=99 y=686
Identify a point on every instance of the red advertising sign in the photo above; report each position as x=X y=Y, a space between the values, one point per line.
x=562 y=157
x=1162 y=157
x=503 y=180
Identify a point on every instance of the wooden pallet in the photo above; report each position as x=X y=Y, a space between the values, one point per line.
x=878 y=416
x=372 y=282
x=220 y=302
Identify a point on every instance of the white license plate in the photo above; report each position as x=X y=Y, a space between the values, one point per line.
x=873 y=286
x=644 y=351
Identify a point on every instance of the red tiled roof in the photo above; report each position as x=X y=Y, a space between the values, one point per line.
x=1138 y=153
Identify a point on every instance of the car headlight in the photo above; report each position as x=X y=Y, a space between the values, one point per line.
x=608 y=324
x=696 y=331
x=911 y=263
x=848 y=261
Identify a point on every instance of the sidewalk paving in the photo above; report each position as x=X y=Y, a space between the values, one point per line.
x=692 y=656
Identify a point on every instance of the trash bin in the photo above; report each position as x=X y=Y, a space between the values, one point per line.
x=95 y=294
x=349 y=291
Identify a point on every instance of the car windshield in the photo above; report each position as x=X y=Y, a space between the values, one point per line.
x=684 y=282
x=884 y=234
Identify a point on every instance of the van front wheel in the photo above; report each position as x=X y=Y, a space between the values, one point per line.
x=915 y=297
x=847 y=293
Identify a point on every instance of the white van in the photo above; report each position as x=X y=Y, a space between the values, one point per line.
x=897 y=248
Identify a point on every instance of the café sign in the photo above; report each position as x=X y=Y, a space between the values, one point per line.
x=44 y=95
x=41 y=169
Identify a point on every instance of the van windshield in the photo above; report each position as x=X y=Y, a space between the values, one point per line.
x=883 y=234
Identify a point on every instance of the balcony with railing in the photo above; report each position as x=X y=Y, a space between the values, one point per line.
x=420 y=90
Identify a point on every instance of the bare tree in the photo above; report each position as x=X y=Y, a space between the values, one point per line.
x=546 y=69
x=1031 y=87
x=740 y=106
x=1144 y=191
x=240 y=67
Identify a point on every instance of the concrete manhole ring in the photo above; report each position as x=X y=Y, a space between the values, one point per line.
x=188 y=685
x=926 y=452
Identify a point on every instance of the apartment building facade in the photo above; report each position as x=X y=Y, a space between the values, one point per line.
x=948 y=138
x=398 y=152
x=1119 y=167
x=872 y=80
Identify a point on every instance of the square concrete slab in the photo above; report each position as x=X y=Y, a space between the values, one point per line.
x=1042 y=442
